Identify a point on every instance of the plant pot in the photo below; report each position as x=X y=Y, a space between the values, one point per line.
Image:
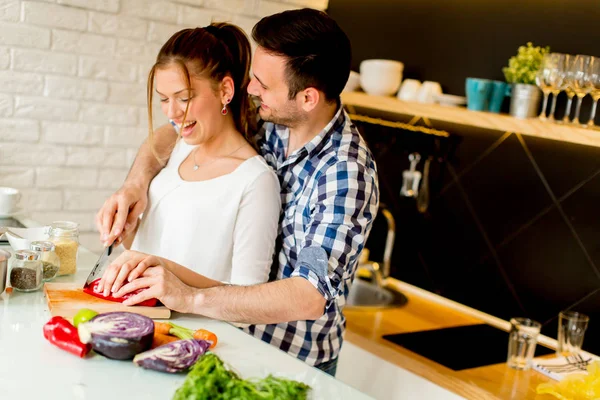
x=525 y=100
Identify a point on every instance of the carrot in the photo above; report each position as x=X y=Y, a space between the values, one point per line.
x=159 y=339
x=203 y=334
x=162 y=327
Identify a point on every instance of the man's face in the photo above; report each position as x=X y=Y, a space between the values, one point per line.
x=269 y=84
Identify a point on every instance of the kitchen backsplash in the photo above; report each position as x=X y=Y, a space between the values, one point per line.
x=512 y=225
x=72 y=92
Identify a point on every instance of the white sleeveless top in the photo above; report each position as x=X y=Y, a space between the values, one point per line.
x=223 y=228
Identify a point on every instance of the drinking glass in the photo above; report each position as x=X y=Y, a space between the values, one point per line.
x=595 y=93
x=558 y=64
x=522 y=340
x=579 y=80
x=570 y=94
x=542 y=80
x=571 y=329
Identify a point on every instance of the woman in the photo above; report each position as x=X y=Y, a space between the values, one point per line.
x=215 y=206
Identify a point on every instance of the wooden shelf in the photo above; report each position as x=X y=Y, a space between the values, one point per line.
x=443 y=117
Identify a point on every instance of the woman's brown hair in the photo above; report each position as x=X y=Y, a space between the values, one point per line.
x=214 y=52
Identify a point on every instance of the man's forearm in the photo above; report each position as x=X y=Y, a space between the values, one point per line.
x=189 y=277
x=146 y=166
x=284 y=300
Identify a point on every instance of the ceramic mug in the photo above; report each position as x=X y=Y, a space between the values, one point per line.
x=428 y=91
x=478 y=94
x=409 y=89
x=9 y=198
x=499 y=91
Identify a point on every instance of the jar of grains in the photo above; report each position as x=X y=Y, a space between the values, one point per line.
x=26 y=271
x=48 y=257
x=65 y=236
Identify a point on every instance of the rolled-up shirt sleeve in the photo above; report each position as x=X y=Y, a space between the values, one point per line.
x=344 y=204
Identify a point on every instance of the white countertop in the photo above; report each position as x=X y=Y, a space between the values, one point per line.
x=32 y=368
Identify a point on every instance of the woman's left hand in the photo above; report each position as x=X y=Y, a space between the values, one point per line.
x=163 y=285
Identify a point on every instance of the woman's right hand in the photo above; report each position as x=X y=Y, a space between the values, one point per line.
x=129 y=266
x=118 y=217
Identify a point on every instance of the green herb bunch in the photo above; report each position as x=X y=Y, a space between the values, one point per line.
x=210 y=379
x=523 y=67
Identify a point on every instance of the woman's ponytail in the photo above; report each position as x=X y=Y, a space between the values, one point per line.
x=238 y=46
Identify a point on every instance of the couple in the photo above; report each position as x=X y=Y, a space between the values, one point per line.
x=217 y=213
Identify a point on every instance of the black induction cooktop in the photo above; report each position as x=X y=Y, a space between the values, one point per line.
x=460 y=347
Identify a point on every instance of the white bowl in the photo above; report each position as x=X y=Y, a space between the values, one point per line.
x=381 y=77
x=29 y=235
x=353 y=83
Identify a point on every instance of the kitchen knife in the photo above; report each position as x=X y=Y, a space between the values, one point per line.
x=99 y=267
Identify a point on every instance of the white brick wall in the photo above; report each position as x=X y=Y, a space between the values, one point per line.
x=72 y=92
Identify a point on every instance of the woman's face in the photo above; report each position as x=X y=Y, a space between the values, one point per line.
x=203 y=118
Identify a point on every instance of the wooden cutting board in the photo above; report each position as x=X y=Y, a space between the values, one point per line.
x=65 y=299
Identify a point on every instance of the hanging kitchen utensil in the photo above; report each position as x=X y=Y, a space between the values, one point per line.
x=423 y=197
x=411 y=178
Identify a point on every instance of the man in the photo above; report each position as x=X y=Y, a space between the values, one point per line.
x=329 y=194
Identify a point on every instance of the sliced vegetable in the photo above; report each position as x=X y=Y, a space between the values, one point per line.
x=63 y=334
x=209 y=378
x=172 y=357
x=160 y=338
x=203 y=334
x=92 y=289
x=83 y=315
x=118 y=335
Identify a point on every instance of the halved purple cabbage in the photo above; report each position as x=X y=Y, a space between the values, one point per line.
x=118 y=335
x=173 y=357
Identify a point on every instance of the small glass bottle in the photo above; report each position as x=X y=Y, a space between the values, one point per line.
x=48 y=257
x=26 y=271
x=65 y=236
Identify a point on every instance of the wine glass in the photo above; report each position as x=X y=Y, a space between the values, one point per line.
x=570 y=94
x=542 y=81
x=578 y=78
x=558 y=64
x=595 y=93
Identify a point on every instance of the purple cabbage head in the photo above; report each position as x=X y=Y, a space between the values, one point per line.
x=118 y=335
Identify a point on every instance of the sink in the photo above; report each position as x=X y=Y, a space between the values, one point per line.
x=366 y=295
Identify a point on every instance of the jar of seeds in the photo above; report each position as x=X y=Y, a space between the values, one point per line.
x=26 y=271
x=48 y=257
x=65 y=236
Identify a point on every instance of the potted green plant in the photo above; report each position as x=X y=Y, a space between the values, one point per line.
x=520 y=73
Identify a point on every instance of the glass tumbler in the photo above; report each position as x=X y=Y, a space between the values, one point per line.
x=571 y=329
x=522 y=340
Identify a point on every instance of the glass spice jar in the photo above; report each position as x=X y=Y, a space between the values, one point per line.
x=65 y=236
x=48 y=257
x=26 y=271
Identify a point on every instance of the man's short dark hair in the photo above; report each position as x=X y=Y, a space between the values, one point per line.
x=318 y=51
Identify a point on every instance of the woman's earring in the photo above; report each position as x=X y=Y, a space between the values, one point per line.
x=224 y=110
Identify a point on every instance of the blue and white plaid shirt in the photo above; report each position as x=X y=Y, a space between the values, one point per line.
x=329 y=196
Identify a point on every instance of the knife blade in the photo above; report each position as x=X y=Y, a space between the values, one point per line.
x=99 y=267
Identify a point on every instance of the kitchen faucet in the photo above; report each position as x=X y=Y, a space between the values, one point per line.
x=380 y=273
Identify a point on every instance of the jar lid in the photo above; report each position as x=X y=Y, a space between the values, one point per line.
x=27 y=255
x=64 y=228
x=42 y=246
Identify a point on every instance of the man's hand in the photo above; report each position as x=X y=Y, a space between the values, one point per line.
x=119 y=215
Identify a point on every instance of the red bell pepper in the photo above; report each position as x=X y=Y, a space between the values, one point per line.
x=92 y=289
x=63 y=334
